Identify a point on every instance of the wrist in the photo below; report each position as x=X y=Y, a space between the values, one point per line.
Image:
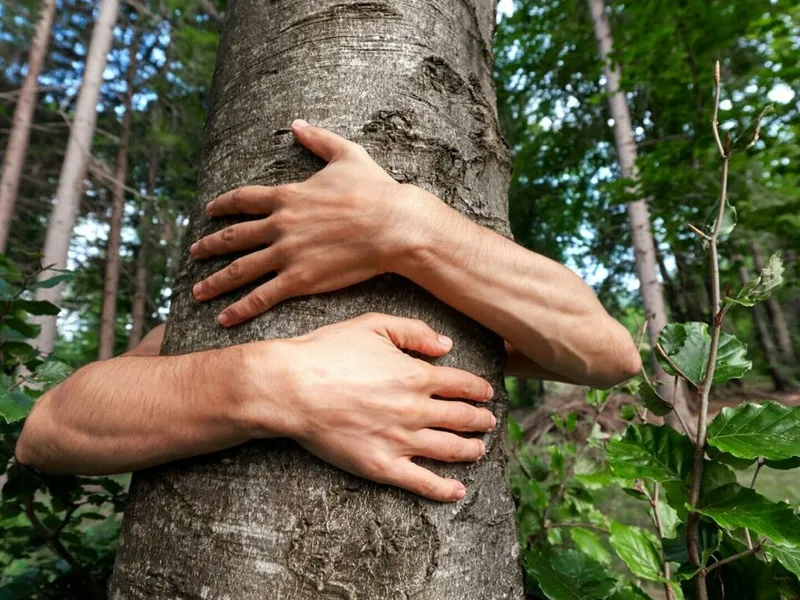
x=260 y=386
x=413 y=230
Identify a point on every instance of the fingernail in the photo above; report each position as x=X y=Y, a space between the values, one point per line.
x=460 y=493
x=445 y=342
x=483 y=449
x=197 y=289
x=494 y=423
x=224 y=319
x=194 y=248
x=210 y=207
x=300 y=123
x=489 y=392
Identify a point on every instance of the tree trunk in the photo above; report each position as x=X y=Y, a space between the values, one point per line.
x=108 y=318
x=17 y=146
x=765 y=337
x=638 y=212
x=139 y=308
x=73 y=170
x=412 y=82
x=776 y=314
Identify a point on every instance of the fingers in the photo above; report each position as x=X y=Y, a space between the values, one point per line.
x=457 y=416
x=240 y=272
x=446 y=446
x=455 y=383
x=256 y=302
x=410 y=334
x=235 y=238
x=251 y=200
x=422 y=482
x=323 y=143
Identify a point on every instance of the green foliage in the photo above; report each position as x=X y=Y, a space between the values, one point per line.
x=657 y=453
x=570 y=575
x=763 y=286
x=58 y=534
x=751 y=431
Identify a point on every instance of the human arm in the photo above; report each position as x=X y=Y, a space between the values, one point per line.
x=346 y=392
x=351 y=221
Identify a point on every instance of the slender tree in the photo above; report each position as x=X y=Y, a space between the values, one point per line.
x=139 y=307
x=638 y=213
x=73 y=169
x=412 y=82
x=108 y=318
x=17 y=145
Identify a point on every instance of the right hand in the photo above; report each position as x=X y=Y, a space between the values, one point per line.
x=354 y=399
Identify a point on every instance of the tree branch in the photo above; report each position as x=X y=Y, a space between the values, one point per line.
x=730 y=559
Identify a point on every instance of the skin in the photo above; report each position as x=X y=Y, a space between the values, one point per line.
x=140 y=410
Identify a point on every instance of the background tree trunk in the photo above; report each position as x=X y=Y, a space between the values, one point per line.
x=765 y=338
x=776 y=314
x=139 y=308
x=73 y=170
x=108 y=317
x=412 y=82
x=17 y=146
x=638 y=212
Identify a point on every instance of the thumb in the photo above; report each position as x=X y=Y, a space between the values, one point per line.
x=412 y=334
x=323 y=143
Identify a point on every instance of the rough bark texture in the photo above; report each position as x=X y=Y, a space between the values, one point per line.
x=410 y=80
x=638 y=213
x=776 y=314
x=17 y=146
x=139 y=308
x=108 y=317
x=73 y=170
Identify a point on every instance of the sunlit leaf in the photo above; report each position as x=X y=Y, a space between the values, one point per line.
x=749 y=431
x=650 y=452
x=638 y=549
x=14 y=405
x=588 y=543
x=763 y=286
x=688 y=346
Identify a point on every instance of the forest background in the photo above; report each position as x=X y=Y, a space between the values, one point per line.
x=567 y=200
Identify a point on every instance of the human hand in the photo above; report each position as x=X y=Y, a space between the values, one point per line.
x=341 y=226
x=354 y=399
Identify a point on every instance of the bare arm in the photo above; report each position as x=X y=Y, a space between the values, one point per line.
x=351 y=221
x=345 y=382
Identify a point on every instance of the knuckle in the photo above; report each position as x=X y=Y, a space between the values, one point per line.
x=236 y=198
x=467 y=416
x=455 y=449
x=426 y=487
x=228 y=234
x=235 y=269
x=420 y=377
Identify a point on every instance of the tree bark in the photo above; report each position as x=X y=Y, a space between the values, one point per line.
x=638 y=212
x=139 y=308
x=776 y=314
x=765 y=339
x=411 y=80
x=73 y=170
x=17 y=146
x=108 y=316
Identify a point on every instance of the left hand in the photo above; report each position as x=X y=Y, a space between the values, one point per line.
x=341 y=226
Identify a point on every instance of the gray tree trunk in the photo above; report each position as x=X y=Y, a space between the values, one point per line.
x=73 y=170
x=108 y=316
x=638 y=213
x=412 y=82
x=17 y=146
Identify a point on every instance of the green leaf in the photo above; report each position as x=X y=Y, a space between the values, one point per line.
x=35 y=307
x=675 y=549
x=52 y=282
x=570 y=575
x=588 y=543
x=715 y=475
x=14 y=405
x=27 y=330
x=646 y=451
x=728 y=223
x=733 y=506
x=630 y=592
x=653 y=400
x=688 y=346
x=762 y=287
x=627 y=412
x=669 y=519
x=638 y=549
x=749 y=431
x=52 y=372
x=514 y=430
x=20 y=350
x=788 y=556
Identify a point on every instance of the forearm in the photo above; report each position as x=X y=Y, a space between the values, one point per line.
x=133 y=412
x=541 y=308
